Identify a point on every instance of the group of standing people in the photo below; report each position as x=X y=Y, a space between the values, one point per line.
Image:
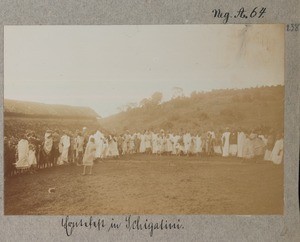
x=230 y=143
x=83 y=147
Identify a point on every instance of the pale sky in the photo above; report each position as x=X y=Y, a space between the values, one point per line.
x=105 y=67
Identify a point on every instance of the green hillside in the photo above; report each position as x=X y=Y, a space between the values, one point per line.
x=247 y=108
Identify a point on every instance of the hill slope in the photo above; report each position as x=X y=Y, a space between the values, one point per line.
x=33 y=109
x=247 y=108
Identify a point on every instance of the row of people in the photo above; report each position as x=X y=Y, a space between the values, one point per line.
x=229 y=143
x=58 y=149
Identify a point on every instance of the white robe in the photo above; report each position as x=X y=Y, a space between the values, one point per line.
x=148 y=141
x=105 y=149
x=159 y=144
x=175 y=141
x=198 y=144
x=154 y=144
x=169 y=145
x=98 y=136
x=23 y=152
x=187 y=139
x=89 y=154
x=240 y=143
x=31 y=158
x=142 y=145
x=225 y=141
x=112 y=149
x=64 y=145
x=277 y=152
x=124 y=145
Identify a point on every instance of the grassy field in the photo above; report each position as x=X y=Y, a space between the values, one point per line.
x=142 y=184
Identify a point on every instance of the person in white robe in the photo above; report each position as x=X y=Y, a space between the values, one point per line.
x=248 y=148
x=79 y=144
x=64 y=145
x=233 y=140
x=175 y=141
x=124 y=144
x=31 y=156
x=154 y=143
x=112 y=150
x=263 y=138
x=269 y=147
x=251 y=147
x=98 y=136
x=225 y=143
x=277 y=152
x=180 y=146
x=137 y=143
x=23 y=153
x=131 y=144
x=213 y=141
x=114 y=147
x=159 y=144
x=89 y=155
x=105 y=148
x=187 y=139
x=193 y=145
x=169 y=145
x=148 y=142
x=240 y=144
x=142 y=144
x=198 y=144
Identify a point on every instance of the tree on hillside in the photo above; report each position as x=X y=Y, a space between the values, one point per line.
x=177 y=92
x=156 y=98
x=145 y=102
x=130 y=106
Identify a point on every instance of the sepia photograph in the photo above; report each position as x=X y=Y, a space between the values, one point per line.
x=144 y=119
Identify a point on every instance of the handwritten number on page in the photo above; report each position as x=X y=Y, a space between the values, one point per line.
x=292 y=27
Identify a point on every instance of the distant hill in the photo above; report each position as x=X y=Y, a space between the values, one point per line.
x=249 y=108
x=41 y=110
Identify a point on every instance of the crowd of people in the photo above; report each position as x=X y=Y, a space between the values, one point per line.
x=84 y=148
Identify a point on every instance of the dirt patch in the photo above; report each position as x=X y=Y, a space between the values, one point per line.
x=142 y=184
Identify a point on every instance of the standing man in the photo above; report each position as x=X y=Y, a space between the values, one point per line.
x=225 y=143
x=55 y=148
x=240 y=143
x=187 y=139
x=64 y=145
x=233 y=140
x=79 y=143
